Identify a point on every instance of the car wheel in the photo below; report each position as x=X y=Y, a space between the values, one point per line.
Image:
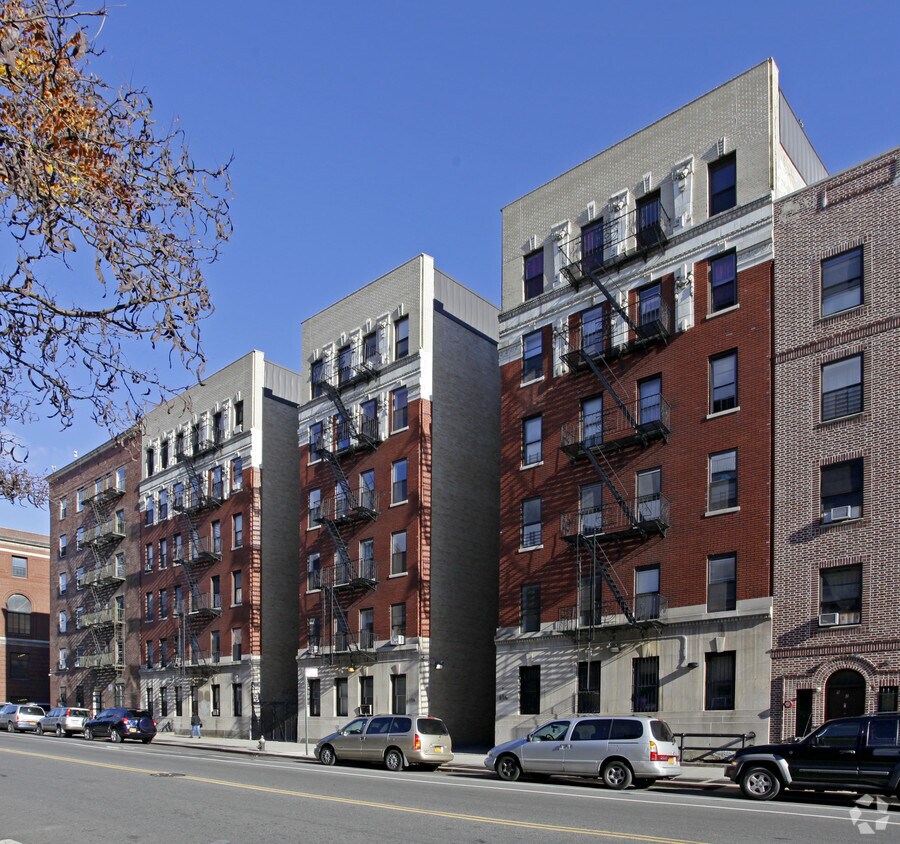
x=393 y=760
x=508 y=768
x=39 y=730
x=616 y=774
x=115 y=736
x=327 y=755
x=10 y=727
x=644 y=782
x=88 y=734
x=760 y=783
x=60 y=732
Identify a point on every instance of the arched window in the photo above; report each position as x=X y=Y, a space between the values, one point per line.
x=18 y=616
x=845 y=694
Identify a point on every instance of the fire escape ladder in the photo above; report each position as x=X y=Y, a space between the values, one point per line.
x=608 y=386
x=345 y=418
x=339 y=545
x=340 y=476
x=601 y=562
x=607 y=481
x=594 y=276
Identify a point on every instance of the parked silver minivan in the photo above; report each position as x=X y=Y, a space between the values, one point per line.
x=622 y=750
x=396 y=740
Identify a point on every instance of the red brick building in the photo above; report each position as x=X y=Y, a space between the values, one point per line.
x=24 y=622
x=836 y=649
x=635 y=349
x=399 y=434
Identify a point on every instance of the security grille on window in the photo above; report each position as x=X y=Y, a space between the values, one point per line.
x=722 y=282
x=720 y=674
x=531 y=441
x=723 y=481
x=841 y=596
x=842 y=282
x=842 y=491
x=532 y=356
x=842 y=388
x=530 y=608
x=722 y=184
x=723 y=393
x=645 y=684
x=531 y=523
x=534 y=274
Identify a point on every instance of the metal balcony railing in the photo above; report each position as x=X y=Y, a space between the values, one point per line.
x=649 y=514
x=613 y=430
x=344 y=509
x=104 y=659
x=107 y=574
x=109 y=492
x=103 y=618
x=648 y=606
x=197 y=552
x=111 y=530
x=351 y=573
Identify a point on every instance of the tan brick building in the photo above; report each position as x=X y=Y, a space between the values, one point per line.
x=836 y=648
x=24 y=601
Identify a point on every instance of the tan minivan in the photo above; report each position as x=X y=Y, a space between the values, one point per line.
x=395 y=740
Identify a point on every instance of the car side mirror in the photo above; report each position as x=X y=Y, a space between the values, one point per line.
x=529 y=737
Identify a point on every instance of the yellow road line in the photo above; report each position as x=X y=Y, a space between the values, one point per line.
x=352 y=801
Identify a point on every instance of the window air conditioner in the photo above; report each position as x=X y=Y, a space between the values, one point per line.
x=839 y=514
x=398 y=639
x=829 y=619
x=215 y=712
x=313 y=649
x=364 y=709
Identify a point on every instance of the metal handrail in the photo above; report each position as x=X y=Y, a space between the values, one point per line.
x=707 y=754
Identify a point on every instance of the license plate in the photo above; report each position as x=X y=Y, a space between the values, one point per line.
x=438 y=748
x=673 y=760
x=132 y=729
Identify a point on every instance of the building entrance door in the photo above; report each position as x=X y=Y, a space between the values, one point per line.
x=845 y=694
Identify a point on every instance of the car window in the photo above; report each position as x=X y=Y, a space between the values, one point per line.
x=7 y=709
x=378 y=726
x=883 y=732
x=626 y=728
x=841 y=734
x=355 y=727
x=554 y=731
x=137 y=713
x=431 y=726
x=401 y=725
x=32 y=710
x=591 y=729
x=79 y=713
x=661 y=731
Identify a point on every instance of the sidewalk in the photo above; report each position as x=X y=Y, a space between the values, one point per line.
x=706 y=774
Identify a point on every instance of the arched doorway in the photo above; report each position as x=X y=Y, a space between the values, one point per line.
x=845 y=694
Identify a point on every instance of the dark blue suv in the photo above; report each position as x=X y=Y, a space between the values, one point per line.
x=119 y=724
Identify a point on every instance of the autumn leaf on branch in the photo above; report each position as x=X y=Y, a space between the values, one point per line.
x=84 y=169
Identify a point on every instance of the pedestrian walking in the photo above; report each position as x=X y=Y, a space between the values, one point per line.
x=196 y=724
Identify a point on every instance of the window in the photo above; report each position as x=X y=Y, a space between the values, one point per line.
x=401 y=338
x=178 y=555
x=79 y=538
x=649 y=495
x=345 y=365
x=150 y=462
x=63 y=659
x=367 y=692
x=530 y=608
x=19 y=566
x=650 y=401
x=369 y=419
x=149 y=649
x=532 y=356
x=649 y=232
x=63 y=582
x=531 y=523
x=148 y=606
x=237 y=588
x=590 y=510
x=237 y=474
x=366 y=629
x=317 y=377
x=341 y=694
x=164 y=454
x=148 y=511
x=592 y=332
x=370 y=349
x=722 y=282
x=367 y=559
x=236 y=639
x=163 y=505
x=720 y=680
x=398 y=552
x=313 y=572
x=63 y=621
x=842 y=393
x=178 y=497
x=645 y=684
x=720 y=590
x=592 y=422
x=529 y=689
x=841 y=593
x=590 y=600
x=218 y=485
x=215 y=650
x=650 y=313
x=646 y=592
x=79 y=500
x=723 y=481
x=237 y=530
x=238 y=417
x=163 y=553
x=398 y=482
x=367 y=489
x=592 y=245
x=315 y=507
x=399 y=409
x=179 y=445
x=314 y=697
x=79 y=578
x=398 y=694
x=120 y=479
x=723 y=393
x=842 y=282
x=888 y=698
x=163 y=603
x=63 y=545
x=216 y=529
x=148 y=557
x=398 y=619
x=215 y=589
x=120 y=521
x=534 y=274
x=218 y=426
x=531 y=441
x=237 y=700
x=722 y=184
x=842 y=491
x=316 y=441
x=589 y=687
x=63 y=507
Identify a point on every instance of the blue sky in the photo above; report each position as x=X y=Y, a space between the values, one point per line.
x=365 y=133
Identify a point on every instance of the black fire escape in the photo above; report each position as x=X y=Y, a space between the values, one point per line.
x=346 y=435
x=614 y=331
x=102 y=646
